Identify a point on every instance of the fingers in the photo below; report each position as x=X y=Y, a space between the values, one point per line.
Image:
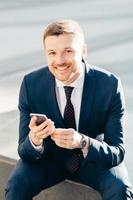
x=47 y=130
x=64 y=143
x=63 y=138
x=36 y=128
x=40 y=132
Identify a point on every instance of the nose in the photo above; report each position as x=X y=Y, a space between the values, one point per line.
x=60 y=59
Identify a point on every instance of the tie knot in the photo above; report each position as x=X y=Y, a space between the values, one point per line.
x=68 y=91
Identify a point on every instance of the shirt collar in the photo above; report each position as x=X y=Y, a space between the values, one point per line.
x=78 y=83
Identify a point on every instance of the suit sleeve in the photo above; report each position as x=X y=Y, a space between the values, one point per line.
x=110 y=152
x=25 y=149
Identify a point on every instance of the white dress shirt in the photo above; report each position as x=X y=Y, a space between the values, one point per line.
x=76 y=95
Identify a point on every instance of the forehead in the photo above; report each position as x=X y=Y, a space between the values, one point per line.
x=61 y=41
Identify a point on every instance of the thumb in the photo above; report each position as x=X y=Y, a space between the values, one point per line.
x=32 y=122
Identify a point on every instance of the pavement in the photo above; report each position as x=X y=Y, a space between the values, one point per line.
x=108 y=27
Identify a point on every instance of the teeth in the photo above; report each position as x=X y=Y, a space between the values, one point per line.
x=62 y=68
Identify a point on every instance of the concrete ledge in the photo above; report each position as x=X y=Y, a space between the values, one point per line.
x=69 y=190
x=63 y=191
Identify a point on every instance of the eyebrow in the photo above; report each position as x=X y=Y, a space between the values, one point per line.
x=68 y=48
x=50 y=50
x=64 y=48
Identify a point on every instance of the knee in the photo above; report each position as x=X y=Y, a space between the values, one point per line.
x=118 y=187
x=115 y=188
x=17 y=183
x=18 y=187
x=121 y=189
x=16 y=180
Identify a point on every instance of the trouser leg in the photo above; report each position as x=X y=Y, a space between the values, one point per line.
x=113 y=184
x=28 y=179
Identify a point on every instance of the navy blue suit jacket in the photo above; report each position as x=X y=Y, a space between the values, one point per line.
x=102 y=110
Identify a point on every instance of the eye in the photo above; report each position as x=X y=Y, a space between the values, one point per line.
x=68 y=50
x=52 y=53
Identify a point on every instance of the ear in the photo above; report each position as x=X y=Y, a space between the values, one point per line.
x=84 y=51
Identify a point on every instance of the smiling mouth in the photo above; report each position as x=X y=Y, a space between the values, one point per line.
x=62 y=68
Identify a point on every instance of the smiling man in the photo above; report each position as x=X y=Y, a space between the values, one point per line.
x=64 y=55
x=82 y=138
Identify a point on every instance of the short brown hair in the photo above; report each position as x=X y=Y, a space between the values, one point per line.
x=63 y=26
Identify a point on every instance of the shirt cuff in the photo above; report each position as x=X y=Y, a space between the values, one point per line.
x=38 y=148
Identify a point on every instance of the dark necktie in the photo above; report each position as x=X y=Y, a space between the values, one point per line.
x=69 y=117
x=72 y=160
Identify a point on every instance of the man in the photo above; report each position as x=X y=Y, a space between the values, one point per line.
x=82 y=138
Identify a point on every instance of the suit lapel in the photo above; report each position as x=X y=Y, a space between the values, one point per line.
x=52 y=102
x=87 y=98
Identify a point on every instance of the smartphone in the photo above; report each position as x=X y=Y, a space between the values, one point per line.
x=40 y=117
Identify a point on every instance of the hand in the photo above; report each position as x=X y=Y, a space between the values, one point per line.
x=38 y=133
x=66 y=138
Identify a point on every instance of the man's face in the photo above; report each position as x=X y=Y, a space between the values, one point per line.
x=64 y=55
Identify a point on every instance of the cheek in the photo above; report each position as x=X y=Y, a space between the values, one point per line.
x=50 y=62
x=50 y=66
x=49 y=59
